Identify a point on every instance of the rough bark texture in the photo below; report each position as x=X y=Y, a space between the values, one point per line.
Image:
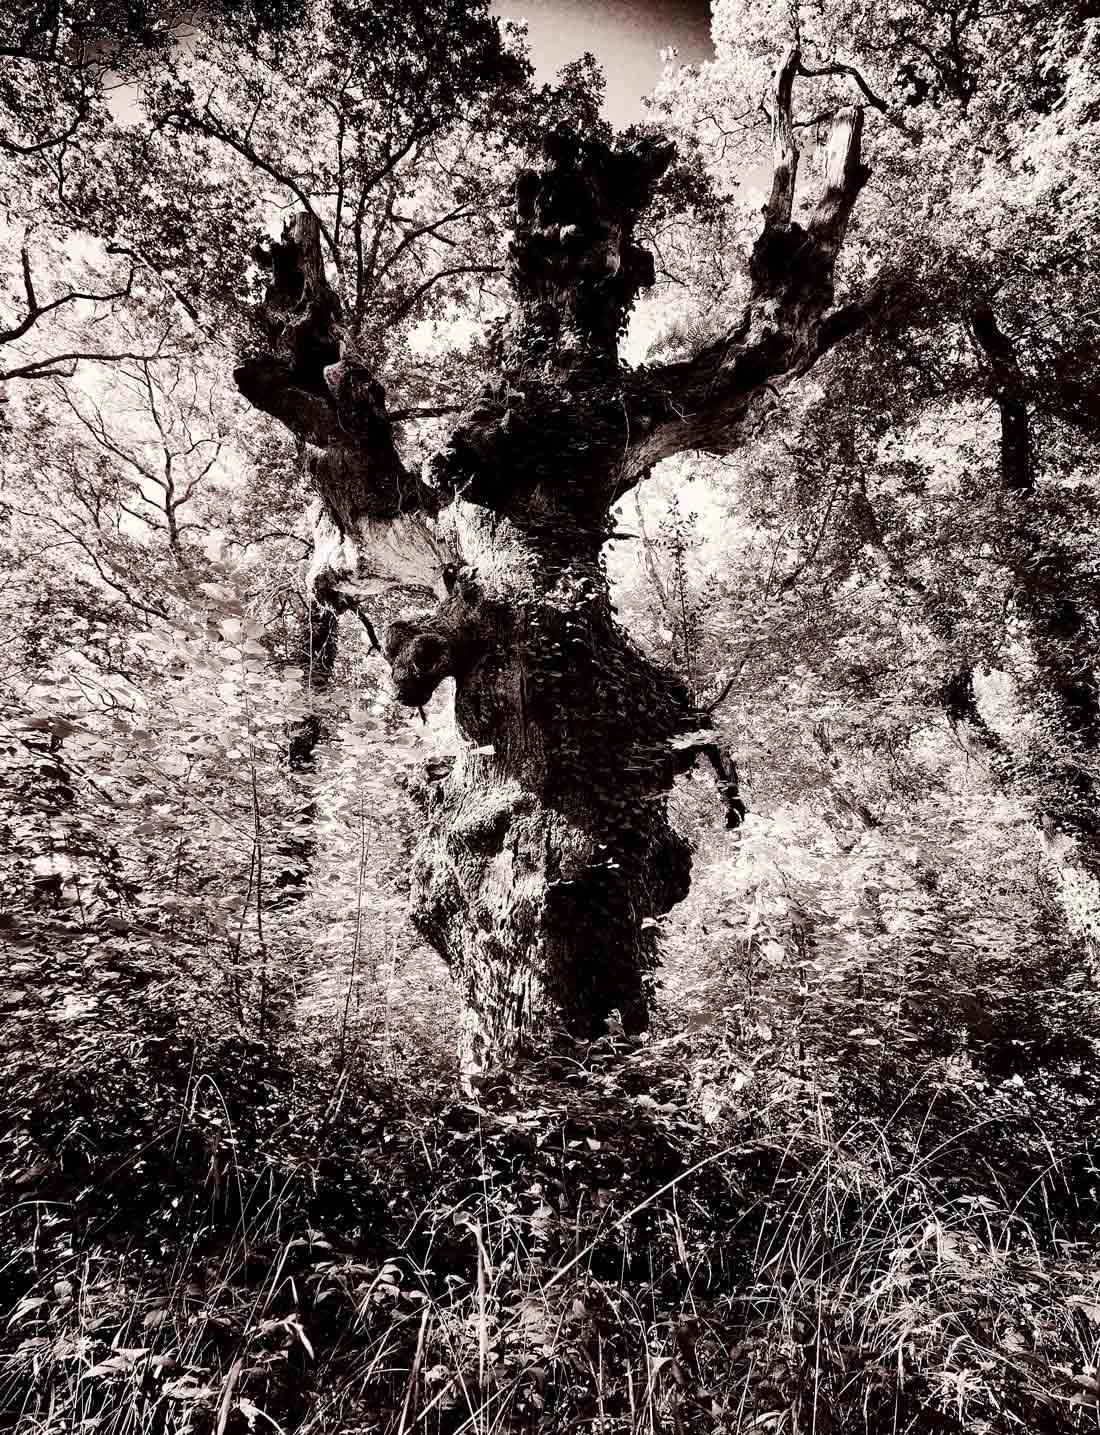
x=547 y=854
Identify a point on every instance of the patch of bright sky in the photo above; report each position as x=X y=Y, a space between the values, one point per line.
x=626 y=37
x=629 y=39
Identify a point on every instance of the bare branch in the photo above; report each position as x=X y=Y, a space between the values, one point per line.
x=374 y=529
x=410 y=304
x=268 y=385
x=36 y=311
x=55 y=366
x=420 y=231
x=208 y=124
x=875 y=101
x=886 y=297
x=852 y=73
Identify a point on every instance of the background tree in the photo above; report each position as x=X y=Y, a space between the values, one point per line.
x=985 y=542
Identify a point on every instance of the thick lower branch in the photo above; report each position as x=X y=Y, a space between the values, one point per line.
x=268 y=385
x=376 y=524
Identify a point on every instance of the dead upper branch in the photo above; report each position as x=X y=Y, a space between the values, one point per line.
x=373 y=529
x=784 y=149
x=790 y=319
x=316 y=387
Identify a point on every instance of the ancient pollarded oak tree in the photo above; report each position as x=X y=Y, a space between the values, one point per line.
x=547 y=851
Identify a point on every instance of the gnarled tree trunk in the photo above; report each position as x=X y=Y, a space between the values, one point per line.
x=547 y=853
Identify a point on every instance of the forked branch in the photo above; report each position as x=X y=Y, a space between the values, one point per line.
x=789 y=320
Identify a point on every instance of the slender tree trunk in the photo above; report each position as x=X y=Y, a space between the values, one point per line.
x=547 y=855
x=317 y=652
x=1051 y=773
x=316 y=656
x=1057 y=606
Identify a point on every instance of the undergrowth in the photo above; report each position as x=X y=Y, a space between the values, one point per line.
x=205 y=1233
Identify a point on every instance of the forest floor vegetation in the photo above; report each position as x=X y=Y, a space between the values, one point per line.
x=207 y=1232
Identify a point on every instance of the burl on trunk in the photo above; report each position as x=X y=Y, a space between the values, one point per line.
x=547 y=852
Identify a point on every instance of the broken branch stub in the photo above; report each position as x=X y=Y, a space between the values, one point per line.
x=446 y=644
